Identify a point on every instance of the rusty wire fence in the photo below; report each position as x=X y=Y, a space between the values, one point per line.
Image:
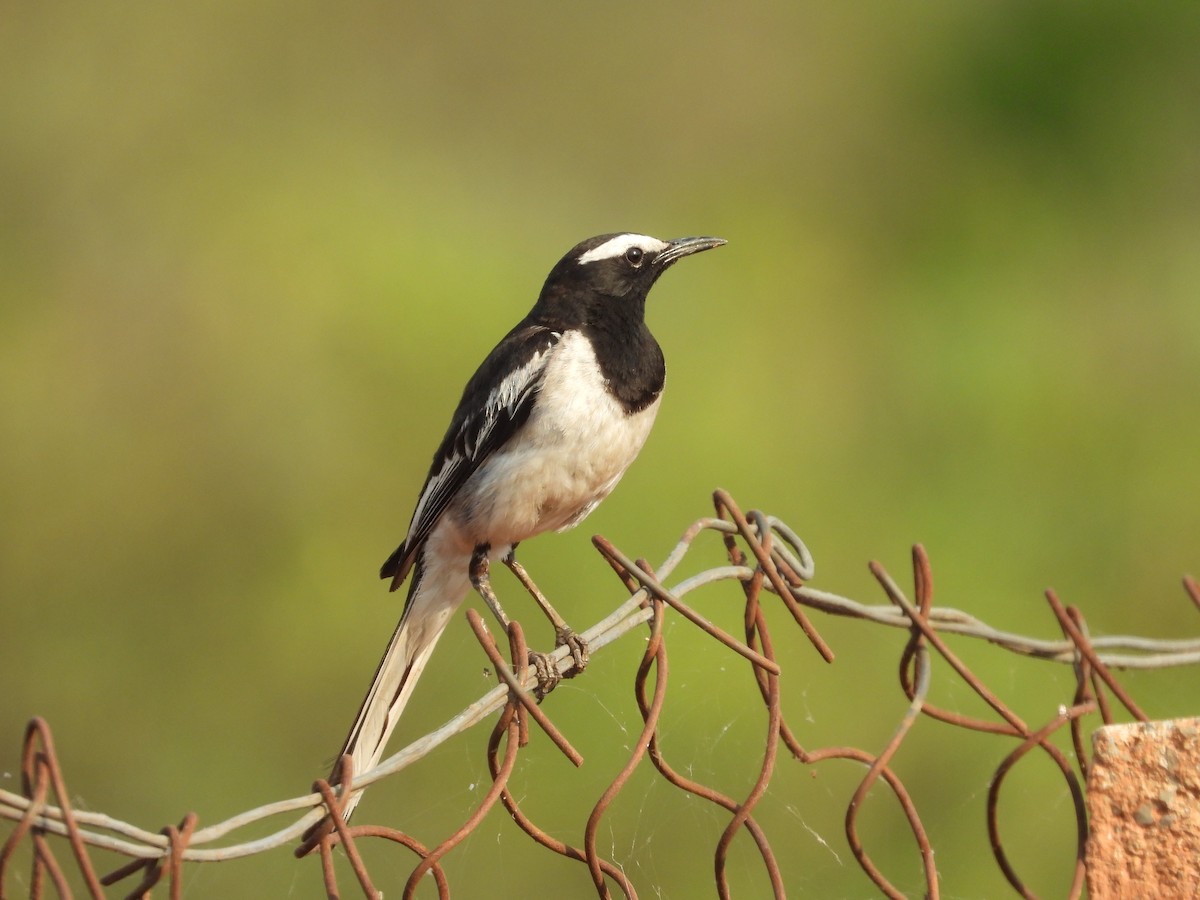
x=766 y=563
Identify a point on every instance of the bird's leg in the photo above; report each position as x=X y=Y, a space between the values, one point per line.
x=547 y=672
x=564 y=634
x=483 y=584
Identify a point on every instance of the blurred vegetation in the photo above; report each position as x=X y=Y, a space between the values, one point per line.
x=249 y=254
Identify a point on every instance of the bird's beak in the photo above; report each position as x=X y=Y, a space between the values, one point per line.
x=681 y=247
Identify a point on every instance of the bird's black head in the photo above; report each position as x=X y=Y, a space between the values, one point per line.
x=612 y=269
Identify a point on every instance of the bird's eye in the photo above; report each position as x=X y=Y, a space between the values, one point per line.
x=634 y=255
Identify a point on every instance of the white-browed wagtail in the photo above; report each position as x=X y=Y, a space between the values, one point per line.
x=544 y=430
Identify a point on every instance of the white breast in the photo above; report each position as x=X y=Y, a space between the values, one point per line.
x=571 y=453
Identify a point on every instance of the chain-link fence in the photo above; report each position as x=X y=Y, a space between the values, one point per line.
x=768 y=564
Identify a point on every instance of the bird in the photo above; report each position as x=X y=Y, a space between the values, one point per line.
x=545 y=429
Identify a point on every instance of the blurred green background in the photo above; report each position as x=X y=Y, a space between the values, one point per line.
x=249 y=253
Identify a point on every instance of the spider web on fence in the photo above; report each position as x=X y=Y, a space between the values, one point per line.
x=769 y=564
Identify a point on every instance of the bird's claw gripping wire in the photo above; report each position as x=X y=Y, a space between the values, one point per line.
x=548 y=675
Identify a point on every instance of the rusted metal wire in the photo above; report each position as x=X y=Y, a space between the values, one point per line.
x=40 y=772
x=771 y=565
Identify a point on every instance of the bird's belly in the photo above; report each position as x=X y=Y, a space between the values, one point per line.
x=567 y=458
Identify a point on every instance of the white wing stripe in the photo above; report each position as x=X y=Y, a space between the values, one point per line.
x=505 y=396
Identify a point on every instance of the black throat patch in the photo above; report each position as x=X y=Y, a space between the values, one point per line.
x=630 y=360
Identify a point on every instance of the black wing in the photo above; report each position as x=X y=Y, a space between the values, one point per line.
x=496 y=402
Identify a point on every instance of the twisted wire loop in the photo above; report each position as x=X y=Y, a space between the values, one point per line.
x=41 y=772
x=771 y=565
x=170 y=864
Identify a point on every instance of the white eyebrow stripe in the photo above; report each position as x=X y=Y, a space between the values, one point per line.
x=614 y=247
